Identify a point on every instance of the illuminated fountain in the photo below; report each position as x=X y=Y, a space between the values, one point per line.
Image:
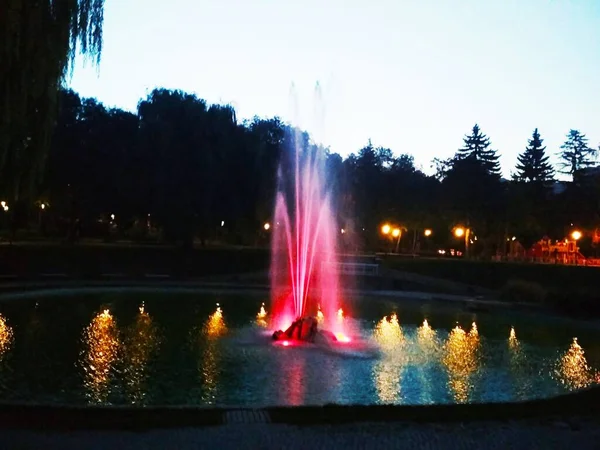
x=304 y=281
x=462 y=361
x=99 y=356
x=210 y=360
x=140 y=345
x=6 y=337
x=261 y=317
x=572 y=369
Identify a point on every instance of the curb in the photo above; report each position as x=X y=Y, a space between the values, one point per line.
x=37 y=417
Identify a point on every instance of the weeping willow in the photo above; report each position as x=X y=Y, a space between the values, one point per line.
x=39 y=40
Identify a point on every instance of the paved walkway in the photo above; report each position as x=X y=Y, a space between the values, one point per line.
x=581 y=434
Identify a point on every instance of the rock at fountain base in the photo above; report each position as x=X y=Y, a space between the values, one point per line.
x=304 y=329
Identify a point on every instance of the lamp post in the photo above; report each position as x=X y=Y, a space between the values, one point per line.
x=394 y=232
x=459 y=232
x=397 y=233
x=41 y=211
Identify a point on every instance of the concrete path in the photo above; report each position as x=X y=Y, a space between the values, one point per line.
x=580 y=434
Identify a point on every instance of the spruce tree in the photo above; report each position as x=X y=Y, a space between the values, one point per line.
x=533 y=164
x=576 y=154
x=477 y=148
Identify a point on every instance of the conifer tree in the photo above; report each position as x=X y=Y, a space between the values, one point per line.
x=533 y=164
x=576 y=154
x=477 y=148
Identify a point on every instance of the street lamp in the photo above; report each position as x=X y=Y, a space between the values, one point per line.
x=427 y=232
x=386 y=229
x=459 y=232
x=267 y=226
x=397 y=233
x=576 y=235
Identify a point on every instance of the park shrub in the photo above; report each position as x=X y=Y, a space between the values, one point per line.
x=520 y=291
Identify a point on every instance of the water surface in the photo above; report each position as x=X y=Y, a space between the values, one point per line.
x=169 y=348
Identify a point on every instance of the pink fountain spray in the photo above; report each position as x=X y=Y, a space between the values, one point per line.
x=303 y=249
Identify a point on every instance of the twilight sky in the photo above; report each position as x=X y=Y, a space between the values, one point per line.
x=412 y=75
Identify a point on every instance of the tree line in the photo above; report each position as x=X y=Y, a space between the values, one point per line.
x=191 y=169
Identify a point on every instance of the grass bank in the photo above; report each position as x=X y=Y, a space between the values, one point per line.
x=574 y=290
x=93 y=260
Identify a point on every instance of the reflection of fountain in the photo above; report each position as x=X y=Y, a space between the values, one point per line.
x=429 y=344
x=6 y=337
x=101 y=347
x=572 y=369
x=387 y=371
x=208 y=365
x=6 y=341
x=524 y=380
x=293 y=372
x=141 y=341
x=304 y=242
x=461 y=360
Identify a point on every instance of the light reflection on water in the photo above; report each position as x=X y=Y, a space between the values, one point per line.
x=572 y=369
x=100 y=351
x=208 y=363
x=416 y=365
x=6 y=337
x=141 y=343
x=387 y=372
x=462 y=360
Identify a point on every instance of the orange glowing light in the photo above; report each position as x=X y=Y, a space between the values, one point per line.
x=396 y=232
x=386 y=229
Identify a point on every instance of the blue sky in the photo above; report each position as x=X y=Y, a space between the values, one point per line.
x=413 y=76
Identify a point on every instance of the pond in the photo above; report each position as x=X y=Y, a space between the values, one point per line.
x=177 y=347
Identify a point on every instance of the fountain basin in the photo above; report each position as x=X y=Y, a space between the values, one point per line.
x=169 y=347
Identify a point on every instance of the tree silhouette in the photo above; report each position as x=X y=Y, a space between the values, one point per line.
x=575 y=154
x=40 y=40
x=477 y=147
x=187 y=167
x=533 y=164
